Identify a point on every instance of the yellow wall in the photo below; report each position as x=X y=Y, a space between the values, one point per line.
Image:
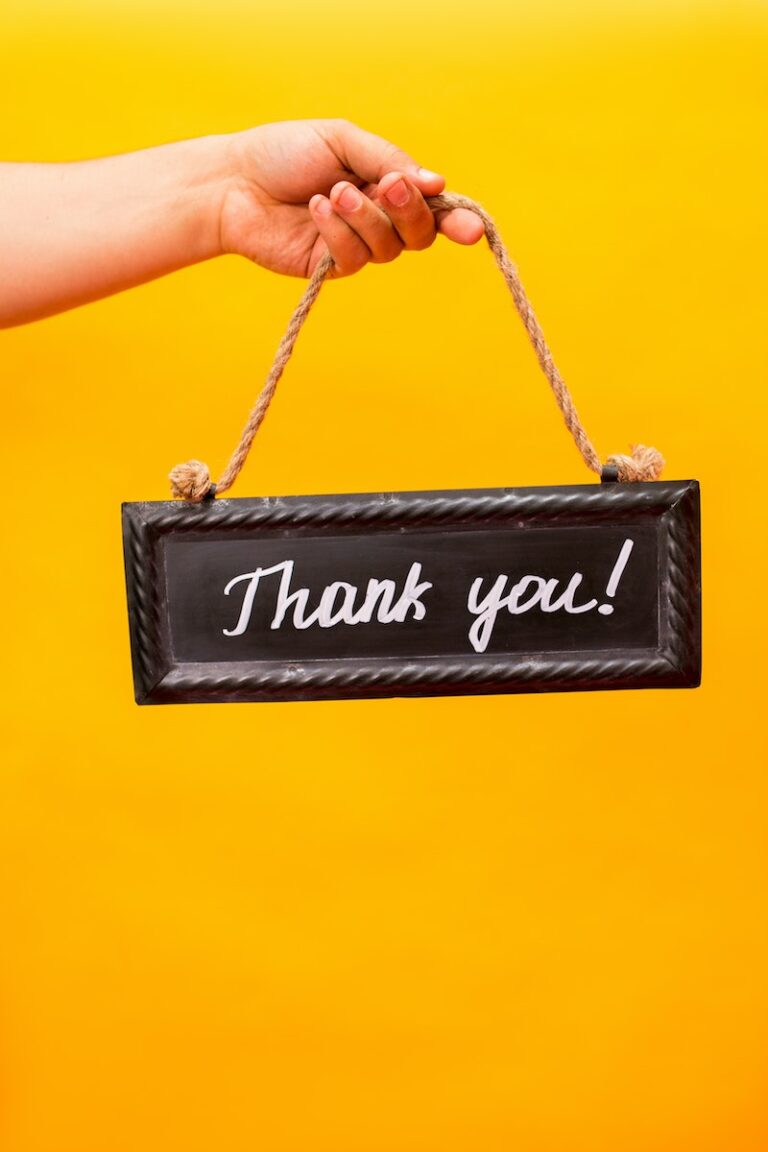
x=529 y=923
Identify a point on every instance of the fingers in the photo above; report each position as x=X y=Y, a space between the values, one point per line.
x=370 y=157
x=354 y=229
x=349 y=252
x=366 y=219
x=393 y=181
x=406 y=208
x=376 y=225
x=392 y=217
x=414 y=221
x=460 y=225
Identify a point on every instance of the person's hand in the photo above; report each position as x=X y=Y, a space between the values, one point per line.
x=282 y=195
x=304 y=187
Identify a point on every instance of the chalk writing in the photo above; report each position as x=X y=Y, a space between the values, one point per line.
x=343 y=603
x=535 y=592
x=379 y=597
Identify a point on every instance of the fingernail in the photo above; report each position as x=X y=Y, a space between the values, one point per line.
x=426 y=174
x=350 y=199
x=397 y=194
x=321 y=205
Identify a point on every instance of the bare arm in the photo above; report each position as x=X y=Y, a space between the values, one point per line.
x=280 y=194
x=70 y=233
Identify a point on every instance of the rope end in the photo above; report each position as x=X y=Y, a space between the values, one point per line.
x=645 y=463
x=190 y=481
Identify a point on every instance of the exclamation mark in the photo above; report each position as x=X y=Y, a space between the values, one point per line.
x=618 y=570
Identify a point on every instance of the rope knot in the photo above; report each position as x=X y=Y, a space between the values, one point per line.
x=190 y=481
x=644 y=464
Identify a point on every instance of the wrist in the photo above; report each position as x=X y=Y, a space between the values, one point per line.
x=205 y=171
x=243 y=206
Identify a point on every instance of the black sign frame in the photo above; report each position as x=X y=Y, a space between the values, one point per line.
x=672 y=508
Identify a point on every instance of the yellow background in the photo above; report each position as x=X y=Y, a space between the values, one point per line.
x=533 y=923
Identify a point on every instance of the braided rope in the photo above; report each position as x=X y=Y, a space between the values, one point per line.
x=192 y=482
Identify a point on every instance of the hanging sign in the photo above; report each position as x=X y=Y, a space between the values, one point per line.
x=415 y=593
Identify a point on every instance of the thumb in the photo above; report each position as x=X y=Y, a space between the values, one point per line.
x=371 y=157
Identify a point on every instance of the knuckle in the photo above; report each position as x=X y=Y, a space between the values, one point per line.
x=354 y=262
x=420 y=243
x=350 y=255
x=388 y=253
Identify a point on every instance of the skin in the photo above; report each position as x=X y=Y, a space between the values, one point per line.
x=279 y=194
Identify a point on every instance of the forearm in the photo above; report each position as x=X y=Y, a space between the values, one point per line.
x=71 y=233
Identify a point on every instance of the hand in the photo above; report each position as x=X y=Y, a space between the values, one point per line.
x=304 y=187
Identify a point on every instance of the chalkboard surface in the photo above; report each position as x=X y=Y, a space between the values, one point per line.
x=415 y=593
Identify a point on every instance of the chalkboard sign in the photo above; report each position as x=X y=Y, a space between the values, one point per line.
x=415 y=593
